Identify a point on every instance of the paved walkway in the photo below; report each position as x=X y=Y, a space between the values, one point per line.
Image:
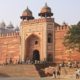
x=68 y=77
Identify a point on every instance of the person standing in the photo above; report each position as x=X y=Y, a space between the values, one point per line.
x=54 y=73
x=77 y=73
x=58 y=73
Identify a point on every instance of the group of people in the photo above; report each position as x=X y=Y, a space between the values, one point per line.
x=60 y=69
x=73 y=64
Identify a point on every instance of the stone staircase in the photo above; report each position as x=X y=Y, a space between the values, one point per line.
x=21 y=70
x=30 y=70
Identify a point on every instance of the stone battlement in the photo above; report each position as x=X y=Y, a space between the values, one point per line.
x=62 y=28
x=12 y=34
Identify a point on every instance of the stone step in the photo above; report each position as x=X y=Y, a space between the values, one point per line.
x=19 y=70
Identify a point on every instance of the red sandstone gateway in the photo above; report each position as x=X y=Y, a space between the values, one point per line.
x=38 y=39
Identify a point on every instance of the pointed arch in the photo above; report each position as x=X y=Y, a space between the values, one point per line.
x=31 y=43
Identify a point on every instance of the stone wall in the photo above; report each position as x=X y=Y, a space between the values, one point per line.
x=61 y=53
x=60 y=32
x=9 y=47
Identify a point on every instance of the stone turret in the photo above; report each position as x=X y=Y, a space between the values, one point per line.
x=27 y=14
x=46 y=11
x=10 y=26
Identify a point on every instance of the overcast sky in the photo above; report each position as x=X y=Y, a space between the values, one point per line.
x=64 y=10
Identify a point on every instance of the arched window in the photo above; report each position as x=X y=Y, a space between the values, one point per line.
x=49 y=38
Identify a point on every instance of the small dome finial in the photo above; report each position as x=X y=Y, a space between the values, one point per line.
x=27 y=8
x=46 y=4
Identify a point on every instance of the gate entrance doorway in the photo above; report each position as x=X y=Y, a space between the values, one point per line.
x=36 y=55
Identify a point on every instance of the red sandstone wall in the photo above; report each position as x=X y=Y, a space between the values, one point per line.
x=60 y=32
x=9 y=47
x=61 y=53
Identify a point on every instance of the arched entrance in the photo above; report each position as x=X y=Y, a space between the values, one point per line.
x=36 y=55
x=31 y=43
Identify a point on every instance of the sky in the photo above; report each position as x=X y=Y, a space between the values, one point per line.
x=64 y=10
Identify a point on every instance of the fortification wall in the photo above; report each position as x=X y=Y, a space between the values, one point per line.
x=9 y=47
x=61 y=53
x=60 y=32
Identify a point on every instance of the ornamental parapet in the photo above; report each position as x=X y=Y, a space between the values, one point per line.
x=11 y=34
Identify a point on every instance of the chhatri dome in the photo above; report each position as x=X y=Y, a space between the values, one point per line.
x=10 y=26
x=27 y=14
x=2 y=25
x=46 y=11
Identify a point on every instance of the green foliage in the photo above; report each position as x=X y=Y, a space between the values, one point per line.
x=72 y=38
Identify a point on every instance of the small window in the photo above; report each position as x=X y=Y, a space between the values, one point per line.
x=49 y=38
x=36 y=42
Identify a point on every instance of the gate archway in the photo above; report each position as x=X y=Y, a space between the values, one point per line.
x=33 y=41
x=36 y=55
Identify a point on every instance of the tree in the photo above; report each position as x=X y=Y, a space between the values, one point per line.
x=72 y=38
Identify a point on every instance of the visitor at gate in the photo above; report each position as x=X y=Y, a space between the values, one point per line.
x=77 y=73
x=54 y=74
